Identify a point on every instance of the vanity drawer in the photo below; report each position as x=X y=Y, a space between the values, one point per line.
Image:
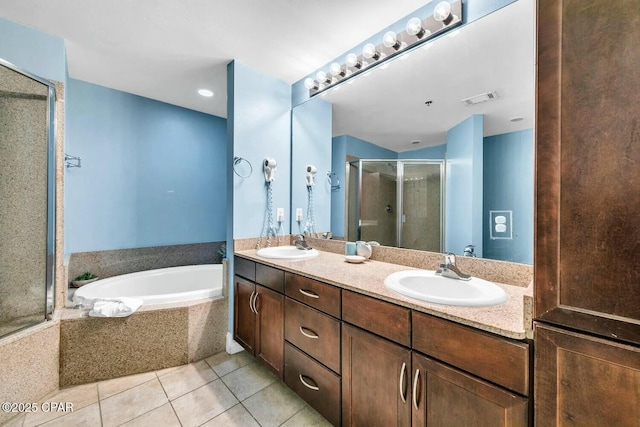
x=380 y=317
x=311 y=292
x=496 y=359
x=270 y=277
x=313 y=332
x=316 y=384
x=245 y=268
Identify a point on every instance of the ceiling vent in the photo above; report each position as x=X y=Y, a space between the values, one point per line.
x=483 y=97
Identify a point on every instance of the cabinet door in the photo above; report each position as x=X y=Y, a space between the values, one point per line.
x=582 y=380
x=587 y=168
x=269 y=347
x=442 y=396
x=375 y=380
x=244 y=318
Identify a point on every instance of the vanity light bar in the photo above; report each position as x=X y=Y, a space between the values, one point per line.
x=446 y=15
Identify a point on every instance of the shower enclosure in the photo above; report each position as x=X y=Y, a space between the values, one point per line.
x=27 y=186
x=396 y=203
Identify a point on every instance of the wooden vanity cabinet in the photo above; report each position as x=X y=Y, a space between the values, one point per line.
x=259 y=314
x=443 y=396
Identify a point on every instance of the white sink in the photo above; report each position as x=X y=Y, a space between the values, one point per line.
x=286 y=252
x=425 y=285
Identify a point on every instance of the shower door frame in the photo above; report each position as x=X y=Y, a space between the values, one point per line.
x=400 y=163
x=49 y=302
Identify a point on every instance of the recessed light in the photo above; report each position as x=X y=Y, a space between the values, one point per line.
x=428 y=103
x=205 y=92
x=516 y=119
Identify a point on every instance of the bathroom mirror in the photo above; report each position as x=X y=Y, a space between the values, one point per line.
x=418 y=97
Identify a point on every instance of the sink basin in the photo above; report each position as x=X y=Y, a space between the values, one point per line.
x=286 y=252
x=425 y=285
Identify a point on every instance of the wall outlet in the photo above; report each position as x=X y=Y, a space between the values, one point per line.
x=299 y=214
x=280 y=214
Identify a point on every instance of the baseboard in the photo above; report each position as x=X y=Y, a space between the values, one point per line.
x=232 y=346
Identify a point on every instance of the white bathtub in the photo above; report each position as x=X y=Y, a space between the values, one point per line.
x=162 y=286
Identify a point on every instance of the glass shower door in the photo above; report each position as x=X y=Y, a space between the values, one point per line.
x=422 y=191
x=378 y=201
x=26 y=199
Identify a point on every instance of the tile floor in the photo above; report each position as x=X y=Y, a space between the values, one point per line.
x=222 y=390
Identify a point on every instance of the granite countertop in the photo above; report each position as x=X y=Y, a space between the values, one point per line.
x=511 y=319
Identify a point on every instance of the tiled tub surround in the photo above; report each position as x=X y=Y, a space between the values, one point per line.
x=154 y=337
x=511 y=319
x=122 y=261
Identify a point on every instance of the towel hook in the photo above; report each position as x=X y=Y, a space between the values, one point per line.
x=72 y=161
x=330 y=176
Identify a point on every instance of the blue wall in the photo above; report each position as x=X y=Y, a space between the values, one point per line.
x=509 y=185
x=152 y=173
x=434 y=152
x=261 y=118
x=33 y=51
x=311 y=144
x=464 y=183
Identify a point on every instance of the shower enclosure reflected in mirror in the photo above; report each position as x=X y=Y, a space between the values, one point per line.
x=27 y=199
x=396 y=203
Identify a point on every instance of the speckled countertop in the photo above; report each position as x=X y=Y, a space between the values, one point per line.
x=511 y=319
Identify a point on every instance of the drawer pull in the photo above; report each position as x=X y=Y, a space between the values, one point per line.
x=403 y=373
x=309 y=294
x=306 y=384
x=415 y=389
x=312 y=334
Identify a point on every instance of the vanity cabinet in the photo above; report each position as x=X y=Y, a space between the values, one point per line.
x=259 y=313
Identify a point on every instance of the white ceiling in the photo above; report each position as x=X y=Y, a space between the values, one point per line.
x=166 y=50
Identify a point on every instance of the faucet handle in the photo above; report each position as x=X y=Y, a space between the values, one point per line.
x=450 y=258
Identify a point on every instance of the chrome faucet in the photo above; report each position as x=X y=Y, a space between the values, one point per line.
x=301 y=244
x=450 y=270
x=469 y=250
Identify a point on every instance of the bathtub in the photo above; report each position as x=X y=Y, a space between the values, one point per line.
x=162 y=286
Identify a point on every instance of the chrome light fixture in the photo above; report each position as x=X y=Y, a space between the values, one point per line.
x=445 y=16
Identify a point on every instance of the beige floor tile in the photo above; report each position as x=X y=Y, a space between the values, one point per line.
x=132 y=403
x=110 y=387
x=234 y=417
x=248 y=380
x=308 y=417
x=14 y=422
x=89 y=416
x=203 y=403
x=187 y=378
x=274 y=405
x=223 y=362
x=80 y=396
x=166 y=371
x=162 y=416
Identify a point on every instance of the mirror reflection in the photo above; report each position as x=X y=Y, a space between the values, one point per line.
x=465 y=100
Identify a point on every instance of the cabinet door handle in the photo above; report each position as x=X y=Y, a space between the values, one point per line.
x=403 y=373
x=255 y=303
x=309 y=335
x=309 y=293
x=306 y=384
x=415 y=389
x=253 y=294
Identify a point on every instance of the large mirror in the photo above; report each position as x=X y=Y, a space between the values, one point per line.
x=413 y=109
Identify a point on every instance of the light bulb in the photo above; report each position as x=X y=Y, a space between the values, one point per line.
x=442 y=12
x=390 y=39
x=309 y=83
x=352 y=61
x=336 y=69
x=369 y=51
x=414 y=26
x=321 y=76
